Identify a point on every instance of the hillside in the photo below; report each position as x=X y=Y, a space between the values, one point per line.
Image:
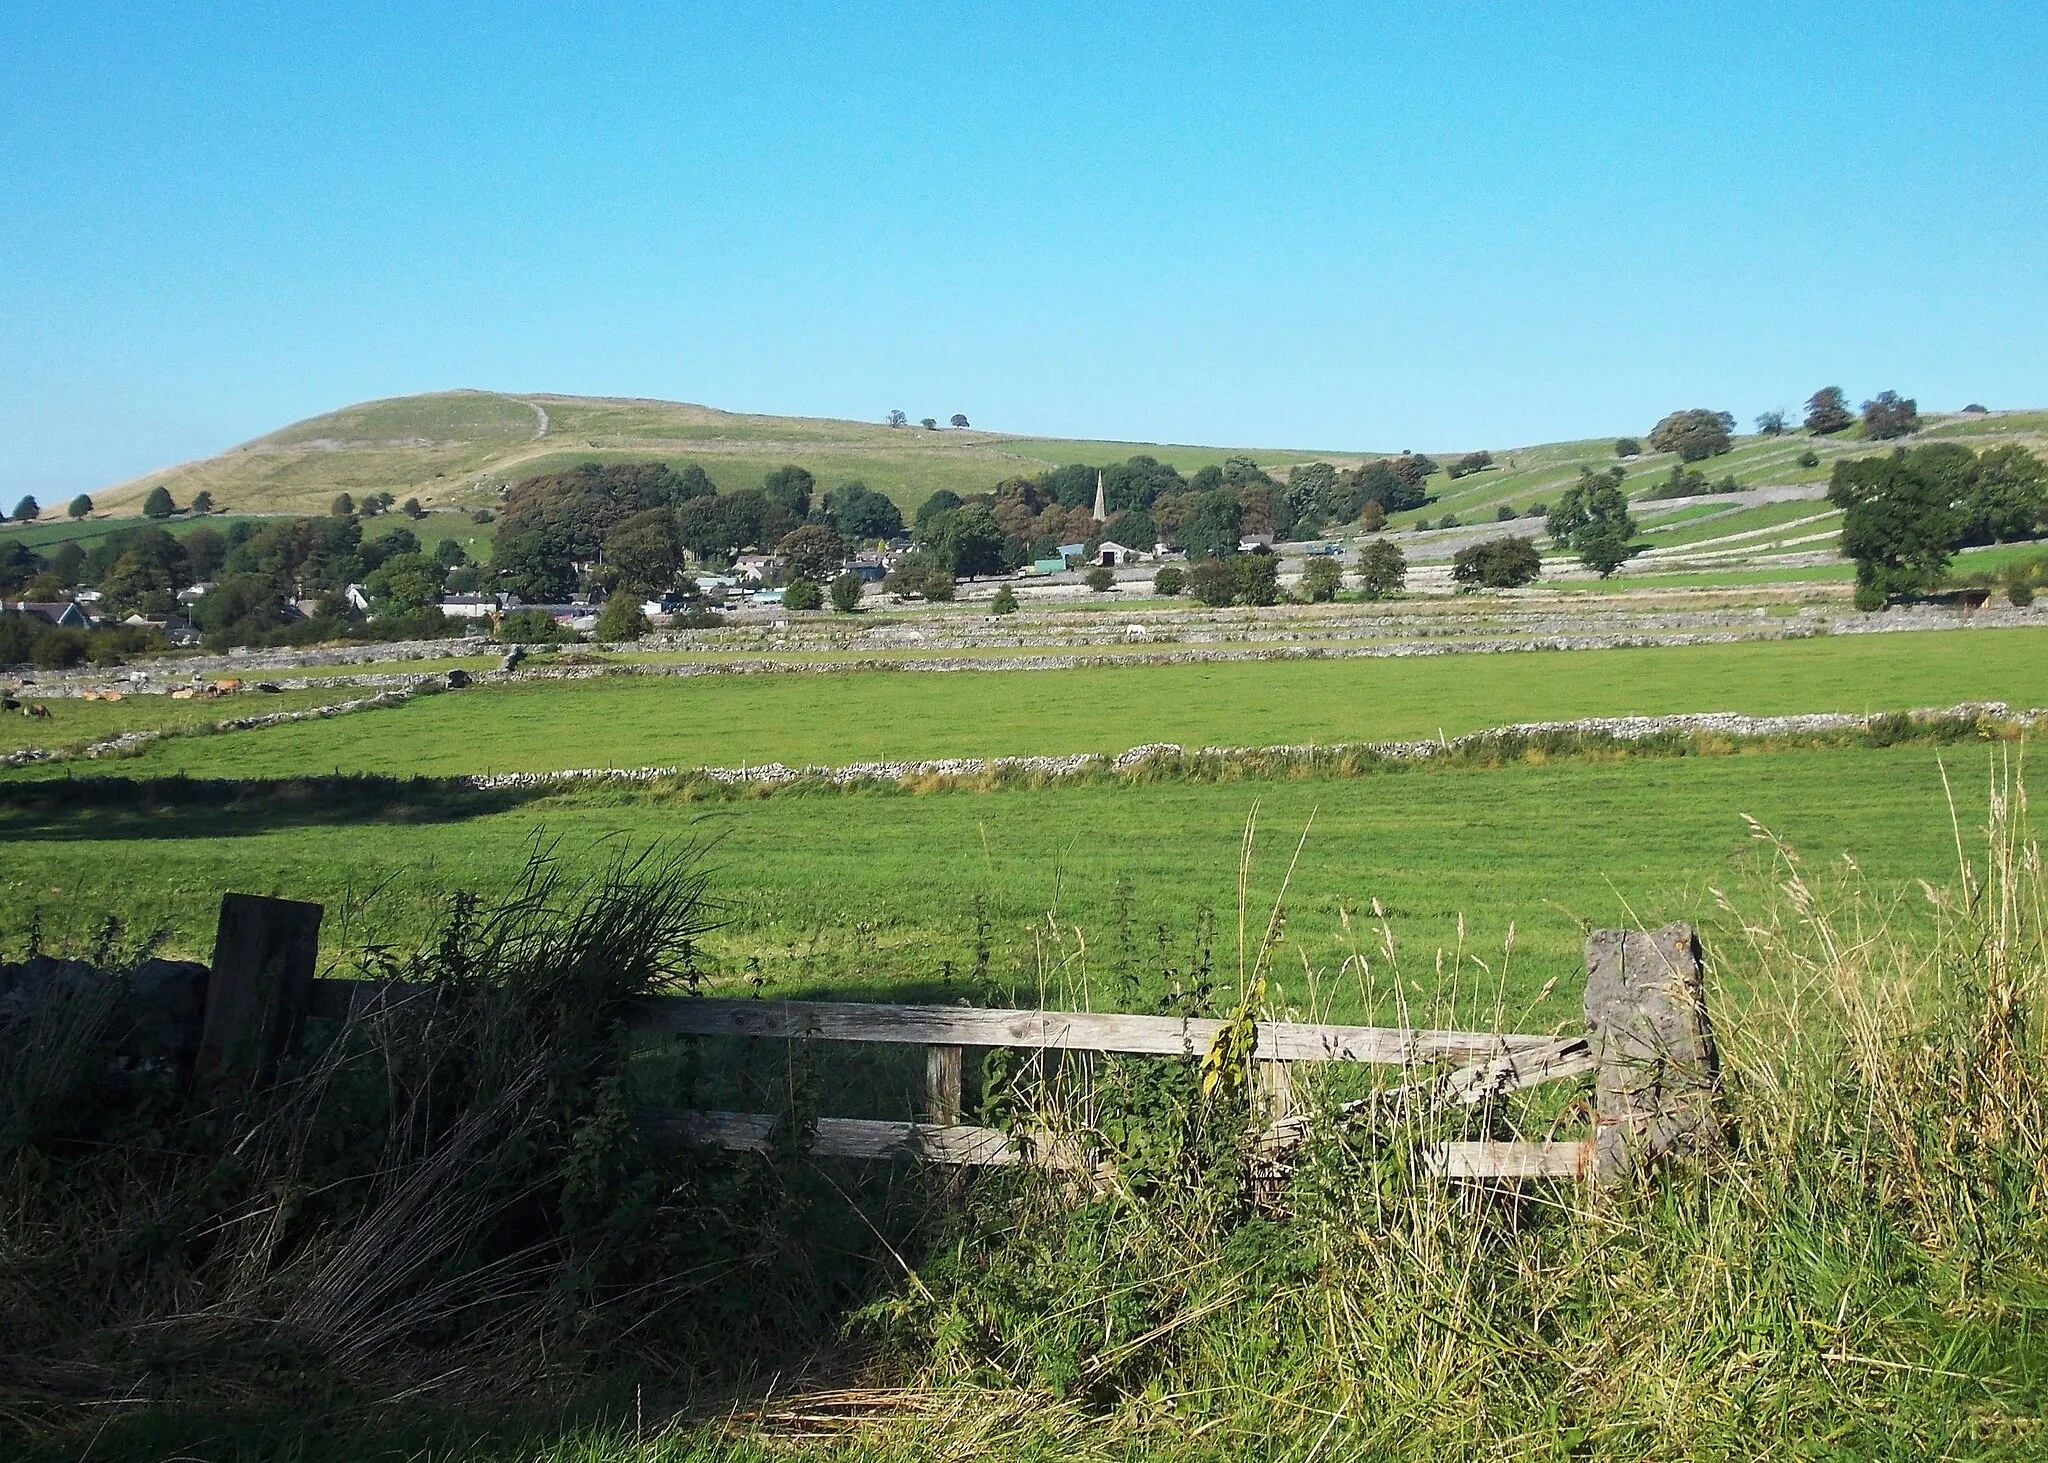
x=458 y=448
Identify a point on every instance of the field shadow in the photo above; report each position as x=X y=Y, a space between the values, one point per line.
x=81 y=809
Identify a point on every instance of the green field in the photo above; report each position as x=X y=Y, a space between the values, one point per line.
x=873 y=894
x=74 y=722
x=829 y=718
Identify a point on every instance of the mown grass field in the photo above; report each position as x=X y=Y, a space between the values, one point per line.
x=839 y=717
x=874 y=894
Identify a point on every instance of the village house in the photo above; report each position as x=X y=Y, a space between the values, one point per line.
x=62 y=613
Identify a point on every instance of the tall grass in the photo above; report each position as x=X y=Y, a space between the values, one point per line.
x=443 y=1188
x=1864 y=1274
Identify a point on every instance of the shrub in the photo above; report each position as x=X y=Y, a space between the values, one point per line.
x=1449 y=520
x=527 y=627
x=343 y=506
x=2020 y=593
x=1382 y=569
x=1869 y=597
x=1504 y=514
x=1321 y=580
x=1627 y=447
x=158 y=504
x=411 y=508
x=1211 y=582
x=846 y=591
x=1809 y=458
x=621 y=619
x=1169 y=581
x=483 y=515
x=1258 y=578
x=202 y=502
x=1470 y=463
x=81 y=506
x=1372 y=517
x=1005 y=602
x=802 y=595
x=1099 y=580
x=1499 y=563
x=28 y=510
x=1976 y=409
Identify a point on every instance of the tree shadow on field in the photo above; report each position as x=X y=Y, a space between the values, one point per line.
x=77 y=809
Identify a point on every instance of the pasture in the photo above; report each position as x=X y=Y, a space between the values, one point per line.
x=830 y=718
x=875 y=894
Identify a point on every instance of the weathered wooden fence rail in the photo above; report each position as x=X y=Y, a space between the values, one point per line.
x=1647 y=1040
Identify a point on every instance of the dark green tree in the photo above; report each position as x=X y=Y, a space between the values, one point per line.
x=1257 y=577
x=158 y=504
x=1827 y=412
x=343 y=506
x=1500 y=563
x=1890 y=415
x=859 y=512
x=802 y=595
x=81 y=506
x=28 y=510
x=621 y=620
x=846 y=590
x=967 y=539
x=1099 y=580
x=1899 y=524
x=942 y=501
x=1321 y=580
x=1593 y=521
x=1627 y=447
x=814 y=552
x=1694 y=435
x=1382 y=569
x=1169 y=581
x=792 y=488
x=1211 y=582
x=642 y=554
x=1214 y=528
x=1771 y=424
x=1005 y=601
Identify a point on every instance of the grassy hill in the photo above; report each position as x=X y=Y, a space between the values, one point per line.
x=458 y=448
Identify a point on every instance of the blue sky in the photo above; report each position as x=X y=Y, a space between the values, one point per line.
x=1326 y=227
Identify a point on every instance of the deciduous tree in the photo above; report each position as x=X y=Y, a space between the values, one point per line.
x=1694 y=435
x=1382 y=569
x=1890 y=415
x=1827 y=412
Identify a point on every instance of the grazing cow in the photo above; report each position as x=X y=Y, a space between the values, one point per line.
x=37 y=710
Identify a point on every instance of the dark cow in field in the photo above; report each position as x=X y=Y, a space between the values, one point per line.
x=37 y=710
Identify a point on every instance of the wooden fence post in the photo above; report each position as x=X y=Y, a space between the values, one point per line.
x=943 y=1084
x=264 y=953
x=1659 y=1076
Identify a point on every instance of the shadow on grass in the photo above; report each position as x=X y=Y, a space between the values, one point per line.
x=328 y=1429
x=66 y=809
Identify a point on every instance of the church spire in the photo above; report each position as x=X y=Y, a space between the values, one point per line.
x=1101 y=509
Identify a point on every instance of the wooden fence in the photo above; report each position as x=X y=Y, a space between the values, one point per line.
x=1647 y=1041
